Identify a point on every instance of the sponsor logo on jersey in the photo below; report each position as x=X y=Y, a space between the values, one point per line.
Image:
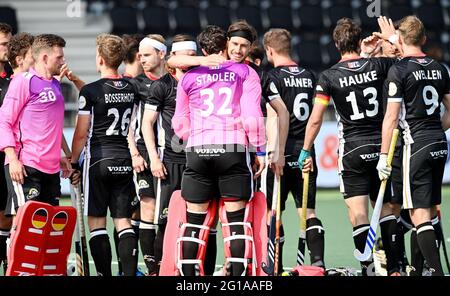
x=117 y=83
x=120 y=169
x=370 y=156
x=436 y=154
x=422 y=61
x=143 y=184
x=32 y=193
x=81 y=102
x=392 y=89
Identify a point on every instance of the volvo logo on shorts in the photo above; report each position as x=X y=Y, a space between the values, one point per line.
x=120 y=169
x=292 y=164
x=143 y=184
x=32 y=193
x=370 y=156
x=438 y=154
x=210 y=151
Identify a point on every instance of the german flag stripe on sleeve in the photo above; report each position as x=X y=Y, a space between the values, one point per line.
x=322 y=99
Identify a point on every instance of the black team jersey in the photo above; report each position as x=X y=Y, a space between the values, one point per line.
x=110 y=103
x=143 y=84
x=296 y=87
x=4 y=84
x=162 y=99
x=268 y=91
x=419 y=84
x=356 y=87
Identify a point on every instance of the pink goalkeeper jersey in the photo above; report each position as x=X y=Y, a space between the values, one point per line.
x=220 y=106
x=32 y=121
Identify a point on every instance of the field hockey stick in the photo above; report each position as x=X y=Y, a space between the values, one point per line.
x=374 y=221
x=302 y=240
x=81 y=229
x=269 y=268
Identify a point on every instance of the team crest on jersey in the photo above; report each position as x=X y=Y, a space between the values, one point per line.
x=353 y=65
x=422 y=61
x=294 y=69
x=392 y=89
x=81 y=102
x=117 y=83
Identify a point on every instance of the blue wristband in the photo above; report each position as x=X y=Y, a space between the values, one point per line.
x=261 y=153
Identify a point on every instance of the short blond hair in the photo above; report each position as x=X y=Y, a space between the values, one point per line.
x=45 y=42
x=412 y=30
x=112 y=49
x=279 y=40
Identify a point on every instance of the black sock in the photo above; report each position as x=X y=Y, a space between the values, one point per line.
x=135 y=224
x=437 y=230
x=4 y=234
x=211 y=252
x=127 y=251
x=360 y=233
x=116 y=247
x=428 y=245
x=101 y=251
x=388 y=228
x=159 y=245
x=190 y=249
x=282 y=240
x=416 y=255
x=315 y=239
x=237 y=246
x=401 y=256
x=147 y=234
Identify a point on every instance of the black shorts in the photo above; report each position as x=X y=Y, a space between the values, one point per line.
x=165 y=188
x=37 y=186
x=108 y=183
x=3 y=185
x=423 y=170
x=358 y=173
x=217 y=171
x=144 y=181
x=292 y=182
x=396 y=176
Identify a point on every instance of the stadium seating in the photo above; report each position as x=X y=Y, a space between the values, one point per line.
x=156 y=19
x=8 y=15
x=311 y=18
x=280 y=17
x=252 y=14
x=124 y=20
x=187 y=20
x=218 y=15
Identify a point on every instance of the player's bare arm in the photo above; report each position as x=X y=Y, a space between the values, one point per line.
x=277 y=163
x=446 y=117
x=78 y=143
x=138 y=162
x=156 y=165
x=185 y=62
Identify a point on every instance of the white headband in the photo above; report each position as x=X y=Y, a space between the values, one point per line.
x=184 y=45
x=154 y=43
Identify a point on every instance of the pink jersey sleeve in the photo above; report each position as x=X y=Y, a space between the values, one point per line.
x=251 y=114
x=15 y=100
x=181 y=121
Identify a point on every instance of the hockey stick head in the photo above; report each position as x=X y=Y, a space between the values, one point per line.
x=361 y=257
x=268 y=269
